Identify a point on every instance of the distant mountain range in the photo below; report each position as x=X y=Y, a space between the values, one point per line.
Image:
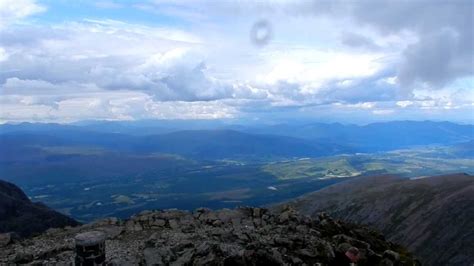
x=196 y=144
x=432 y=216
x=25 y=218
x=378 y=136
x=238 y=142
x=218 y=144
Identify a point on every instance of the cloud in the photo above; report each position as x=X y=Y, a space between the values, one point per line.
x=108 y=4
x=383 y=112
x=358 y=41
x=199 y=62
x=444 y=50
x=108 y=70
x=109 y=55
x=32 y=100
x=12 y=11
x=438 y=59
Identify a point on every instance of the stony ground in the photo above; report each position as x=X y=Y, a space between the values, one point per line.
x=244 y=236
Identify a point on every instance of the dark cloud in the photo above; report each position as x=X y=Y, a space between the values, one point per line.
x=444 y=50
x=391 y=16
x=358 y=41
x=437 y=59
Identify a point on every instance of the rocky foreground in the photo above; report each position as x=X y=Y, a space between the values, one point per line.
x=244 y=236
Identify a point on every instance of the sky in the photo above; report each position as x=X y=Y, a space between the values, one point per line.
x=256 y=61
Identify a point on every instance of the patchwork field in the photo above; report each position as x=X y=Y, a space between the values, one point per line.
x=409 y=163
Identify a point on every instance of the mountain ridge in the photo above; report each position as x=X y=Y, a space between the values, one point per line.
x=225 y=142
x=429 y=215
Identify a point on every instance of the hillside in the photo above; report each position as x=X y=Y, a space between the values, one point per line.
x=196 y=144
x=465 y=149
x=23 y=217
x=431 y=216
x=218 y=144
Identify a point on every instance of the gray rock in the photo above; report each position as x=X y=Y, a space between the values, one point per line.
x=392 y=255
x=386 y=262
x=209 y=259
x=159 y=222
x=173 y=224
x=277 y=256
x=5 y=239
x=303 y=229
x=227 y=215
x=145 y=212
x=203 y=249
x=307 y=253
x=152 y=256
x=208 y=217
x=343 y=247
x=217 y=223
x=284 y=217
x=133 y=226
x=23 y=257
x=354 y=242
x=314 y=232
x=326 y=249
x=283 y=241
x=173 y=214
x=185 y=258
x=257 y=222
x=257 y=212
x=111 y=231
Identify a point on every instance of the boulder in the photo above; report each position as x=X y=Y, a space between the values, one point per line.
x=152 y=256
x=173 y=224
x=391 y=255
x=5 y=239
x=23 y=257
x=159 y=223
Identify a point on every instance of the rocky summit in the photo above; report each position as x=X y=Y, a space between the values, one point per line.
x=243 y=236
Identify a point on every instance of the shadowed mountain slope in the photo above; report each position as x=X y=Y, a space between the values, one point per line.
x=23 y=217
x=432 y=216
